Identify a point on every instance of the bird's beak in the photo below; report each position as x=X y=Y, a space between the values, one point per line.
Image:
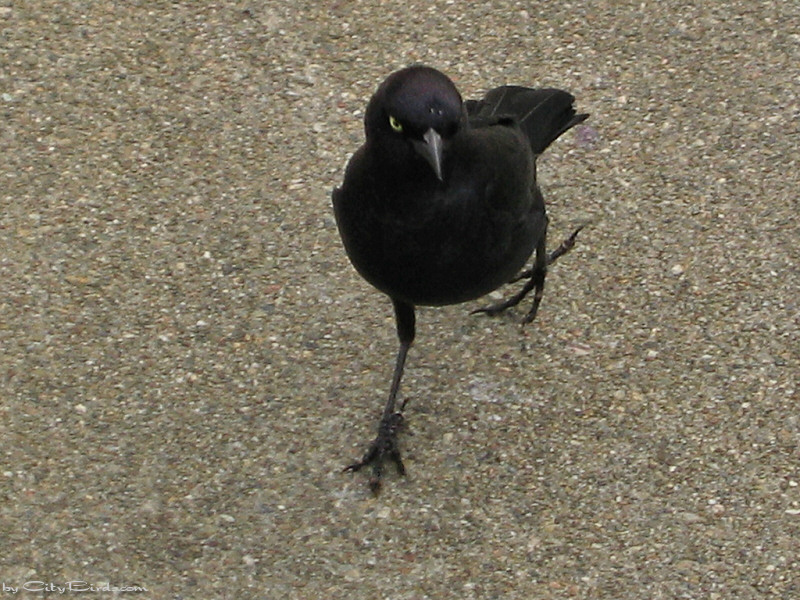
x=430 y=148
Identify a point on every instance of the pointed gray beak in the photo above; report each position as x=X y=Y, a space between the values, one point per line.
x=431 y=150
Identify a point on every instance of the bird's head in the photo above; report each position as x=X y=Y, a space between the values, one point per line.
x=415 y=110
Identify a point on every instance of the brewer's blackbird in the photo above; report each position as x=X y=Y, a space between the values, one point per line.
x=441 y=206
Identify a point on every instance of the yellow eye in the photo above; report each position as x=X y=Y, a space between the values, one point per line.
x=395 y=124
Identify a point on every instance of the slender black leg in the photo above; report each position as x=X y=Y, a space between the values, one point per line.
x=535 y=279
x=385 y=444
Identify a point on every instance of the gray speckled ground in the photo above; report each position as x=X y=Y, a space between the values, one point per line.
x=188 y=359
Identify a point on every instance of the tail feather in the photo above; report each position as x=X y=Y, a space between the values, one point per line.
x=542 y=114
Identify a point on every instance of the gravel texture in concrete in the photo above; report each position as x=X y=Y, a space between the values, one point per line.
x=189 y=360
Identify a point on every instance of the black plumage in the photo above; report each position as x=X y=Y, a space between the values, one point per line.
x=441 y=206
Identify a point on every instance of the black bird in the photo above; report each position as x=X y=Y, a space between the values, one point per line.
x=441 y=206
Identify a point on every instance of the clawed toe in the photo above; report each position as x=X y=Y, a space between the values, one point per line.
x=383 y=447
x=565 y=246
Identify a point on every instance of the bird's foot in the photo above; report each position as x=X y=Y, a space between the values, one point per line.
x=535 y=277
x=496 y=309
x=383 y=447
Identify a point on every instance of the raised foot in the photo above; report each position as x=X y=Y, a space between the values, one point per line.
x=535 y=280
x=383 y=447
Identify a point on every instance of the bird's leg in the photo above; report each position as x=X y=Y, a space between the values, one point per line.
x=543 y=260
x=385 y=444
x=535 y=279
x=539 y=272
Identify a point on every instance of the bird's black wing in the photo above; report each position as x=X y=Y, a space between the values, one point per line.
x=542 y=114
